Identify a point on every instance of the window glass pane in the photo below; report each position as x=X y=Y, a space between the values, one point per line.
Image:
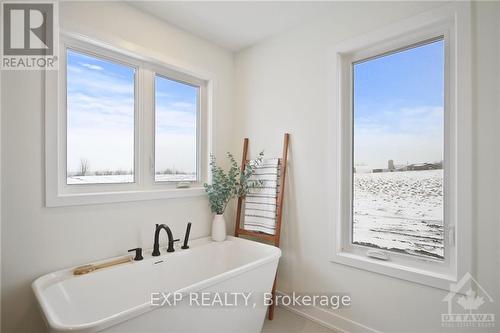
x=176 y=106
x=398 y=151
x=100 y=120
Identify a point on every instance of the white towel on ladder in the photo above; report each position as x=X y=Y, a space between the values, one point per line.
x=260 y=202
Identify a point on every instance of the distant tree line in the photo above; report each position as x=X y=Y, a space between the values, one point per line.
x=172 y=171
x=84 y=170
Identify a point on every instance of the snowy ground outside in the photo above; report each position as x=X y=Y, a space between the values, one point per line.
x=400 y=211
x=113 y=179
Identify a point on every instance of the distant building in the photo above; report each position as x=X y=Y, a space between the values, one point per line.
x=424 y=166
x=390 y=165
x=410 y=167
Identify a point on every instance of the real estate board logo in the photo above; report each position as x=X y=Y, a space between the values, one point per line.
x=465 y=299
x=29 y=35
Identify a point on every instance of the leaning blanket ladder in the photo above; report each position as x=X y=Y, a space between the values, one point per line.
x=275 y=239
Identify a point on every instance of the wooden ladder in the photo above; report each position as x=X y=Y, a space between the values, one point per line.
x=275 y=239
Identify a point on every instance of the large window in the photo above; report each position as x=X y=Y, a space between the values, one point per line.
x=100 y=120
x=400 y=158
x=398 y=152
x=125 y=127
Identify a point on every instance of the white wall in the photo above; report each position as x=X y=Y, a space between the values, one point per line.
x=281 y=86
x=37 y=240
x=487 y=121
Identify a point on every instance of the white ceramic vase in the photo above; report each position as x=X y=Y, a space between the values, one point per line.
x=219 y=228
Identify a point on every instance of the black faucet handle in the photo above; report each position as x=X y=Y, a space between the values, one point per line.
x=171 y=245
x=186 y=237
x=138 y=253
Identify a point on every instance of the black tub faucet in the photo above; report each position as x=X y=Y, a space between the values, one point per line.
x=156 y=246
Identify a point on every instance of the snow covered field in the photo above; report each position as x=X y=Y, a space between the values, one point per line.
x=75 y=180
x=400 y=211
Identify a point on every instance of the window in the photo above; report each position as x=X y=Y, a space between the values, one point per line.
x=122 y=126
x=398 y=132
x=401 y=199
x=100 y=120
x=176 y=105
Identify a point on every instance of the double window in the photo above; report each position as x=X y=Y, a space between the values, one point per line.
x=128 y=128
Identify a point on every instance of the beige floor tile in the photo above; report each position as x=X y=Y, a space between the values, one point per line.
x=288 y=322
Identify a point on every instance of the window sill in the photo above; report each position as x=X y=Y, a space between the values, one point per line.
x=60 y=200
x=440 y=280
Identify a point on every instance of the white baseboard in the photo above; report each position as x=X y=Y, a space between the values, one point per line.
x=328 y=319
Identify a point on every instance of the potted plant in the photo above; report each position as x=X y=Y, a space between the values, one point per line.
x=226 y=186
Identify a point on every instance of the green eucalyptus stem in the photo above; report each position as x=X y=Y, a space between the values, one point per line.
x=231 y=184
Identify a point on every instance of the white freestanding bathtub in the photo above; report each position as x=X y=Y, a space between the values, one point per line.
x=126 y=298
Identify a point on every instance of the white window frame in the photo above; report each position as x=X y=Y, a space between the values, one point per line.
x=200 y=130
x=144 y=187
x=453 y=23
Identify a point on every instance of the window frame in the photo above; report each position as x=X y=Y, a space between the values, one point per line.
x=144 y=187
x=169 y=75
x=105 y=55
x=451 y=23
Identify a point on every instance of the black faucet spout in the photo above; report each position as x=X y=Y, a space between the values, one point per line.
x=156 y=246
